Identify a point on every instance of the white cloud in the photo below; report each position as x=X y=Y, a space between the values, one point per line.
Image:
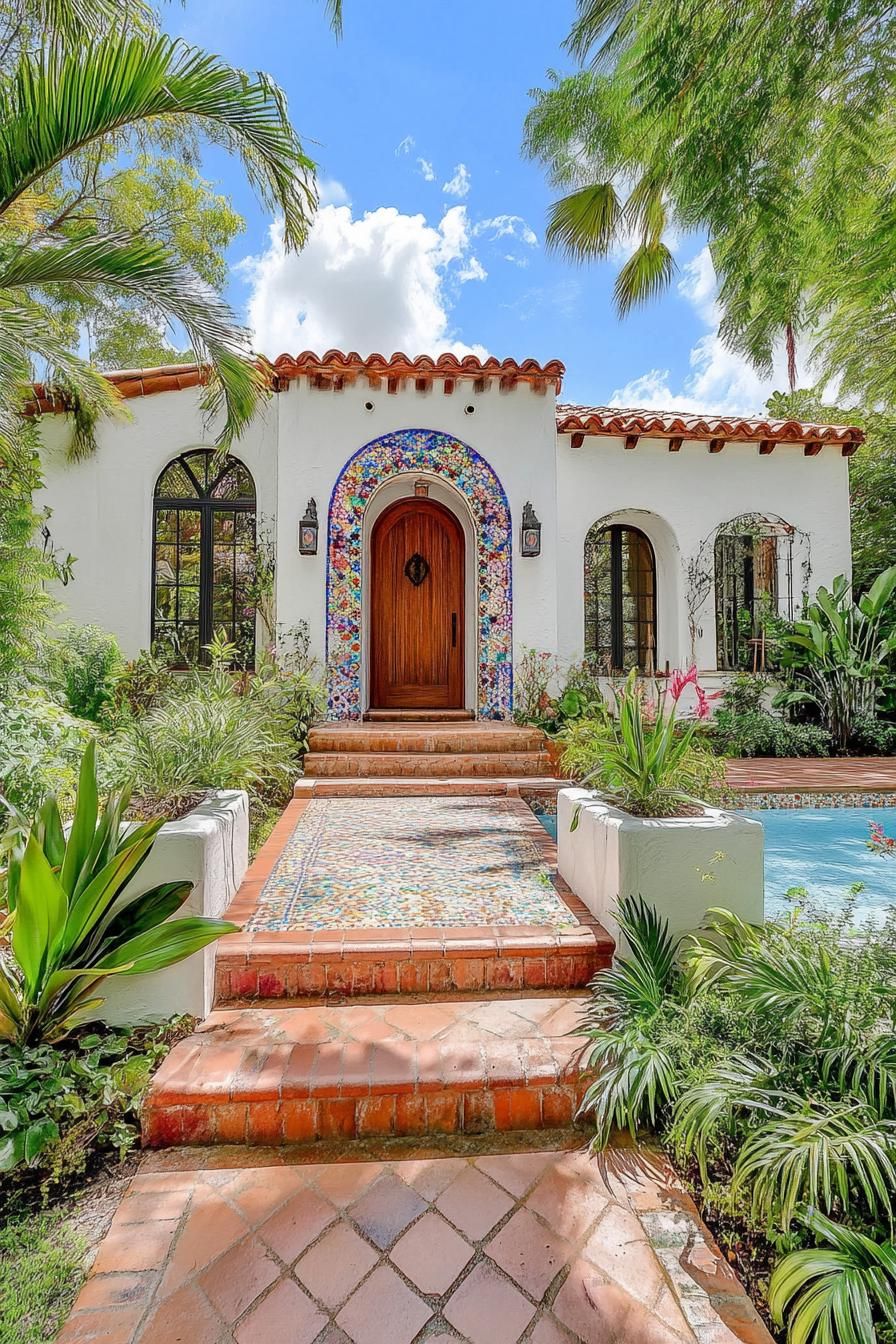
x=507 y=226
x=427 y=172
x=331 y=192
x=405 y=146
x=385 y=281
x=719 y=380
x=459 y=184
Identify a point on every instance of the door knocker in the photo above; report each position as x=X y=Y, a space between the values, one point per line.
x=416 y=569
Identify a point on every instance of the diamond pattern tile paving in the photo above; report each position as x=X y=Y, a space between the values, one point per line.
x=436 y=1249
x=427 y=863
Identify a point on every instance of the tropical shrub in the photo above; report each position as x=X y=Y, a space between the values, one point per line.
x=580 y=695
x=532 y=678
x=765 y=1058
x=874 y=737
x=41 y=746
x=70 y=926
x=839 y=655
x=140 y=684
x=86 y=663
x=62 y=1105
x=646 y=759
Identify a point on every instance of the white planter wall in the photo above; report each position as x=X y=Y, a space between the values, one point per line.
x=209 y=847
x=681 y=866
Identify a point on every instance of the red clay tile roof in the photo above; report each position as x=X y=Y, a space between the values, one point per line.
x=335 y=365
x=132 y=383
x=624 y=422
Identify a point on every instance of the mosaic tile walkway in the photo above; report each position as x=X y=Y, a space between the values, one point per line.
x=535 y=1246
x=410 y=862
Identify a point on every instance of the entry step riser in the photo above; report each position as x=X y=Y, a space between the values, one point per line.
x=260 y=978
x=419 y=716
x=405 y=738
x=425 y=764
x=304 y=1121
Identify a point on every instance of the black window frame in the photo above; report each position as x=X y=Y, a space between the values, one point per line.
x=613 y=657
x=207 y=506
x=734 y=578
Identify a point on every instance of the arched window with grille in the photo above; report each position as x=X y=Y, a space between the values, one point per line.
x=753 y=557
x=203 y=560
x=620 y=599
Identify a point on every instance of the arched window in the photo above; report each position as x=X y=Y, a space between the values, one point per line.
x=203 y=557
x=620 y=599
x=746 y=573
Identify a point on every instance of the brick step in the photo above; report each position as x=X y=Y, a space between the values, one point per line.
x=447 y=738
x=425 y=765
x=296 y=1075
x=419 y=715
x=354 y=963
x=396 y=787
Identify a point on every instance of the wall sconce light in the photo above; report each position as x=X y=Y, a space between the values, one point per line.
x=308 y=530
x=530 y=532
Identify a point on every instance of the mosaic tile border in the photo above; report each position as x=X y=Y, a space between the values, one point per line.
x=419 y=450
x=811 y=798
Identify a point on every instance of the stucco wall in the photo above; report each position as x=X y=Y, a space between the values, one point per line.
x=102 y=507
x=678 y=499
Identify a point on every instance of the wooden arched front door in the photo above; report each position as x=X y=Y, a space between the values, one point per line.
x=417 y=608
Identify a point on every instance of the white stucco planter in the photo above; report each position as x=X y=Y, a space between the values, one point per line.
x=210 y=848
x=681 y=866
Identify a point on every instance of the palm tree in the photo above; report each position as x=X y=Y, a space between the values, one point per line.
x=766 y=127
x=68 y=95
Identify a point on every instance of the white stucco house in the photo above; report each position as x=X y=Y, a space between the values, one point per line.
x=431 y=518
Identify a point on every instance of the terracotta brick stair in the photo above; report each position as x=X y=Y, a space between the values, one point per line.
x=423 y=748
x=296 y=1075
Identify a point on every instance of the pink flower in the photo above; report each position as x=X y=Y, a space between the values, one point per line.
x=703 y=700
x=679 y=680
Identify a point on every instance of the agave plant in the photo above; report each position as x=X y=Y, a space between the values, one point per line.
x=839 y=653
x=70 y=923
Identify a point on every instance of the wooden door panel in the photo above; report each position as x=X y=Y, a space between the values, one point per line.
x=417 y=608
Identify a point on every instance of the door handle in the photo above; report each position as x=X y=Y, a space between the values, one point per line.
x=454 y=629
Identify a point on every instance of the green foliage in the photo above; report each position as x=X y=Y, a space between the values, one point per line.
x=86 y=663
x=645 y=759
x=41 y=1264
x=872 y=476
x=742 y=726
x=532 y=678
x=71 y=924
x=579 y=697
x=838 y=655
x=41 y=746
x=767 y=129
x=766 y=1060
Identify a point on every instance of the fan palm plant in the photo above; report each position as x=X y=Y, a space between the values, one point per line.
x=59 y=99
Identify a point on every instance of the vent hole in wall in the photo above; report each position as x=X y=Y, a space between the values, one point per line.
x=368 y=405
x=469 y=410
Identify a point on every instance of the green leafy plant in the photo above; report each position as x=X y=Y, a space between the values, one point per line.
x=765 y=1058
x=646 y=759
x=838 y=655
x=87 y=663
x=41 y=746
x=71 y=923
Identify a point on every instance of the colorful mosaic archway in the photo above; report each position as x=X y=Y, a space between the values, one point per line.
x=419 y=450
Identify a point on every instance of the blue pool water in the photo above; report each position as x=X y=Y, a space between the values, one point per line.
x=822 y=849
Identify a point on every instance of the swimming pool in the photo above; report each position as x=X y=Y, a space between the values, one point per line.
x=824 y=851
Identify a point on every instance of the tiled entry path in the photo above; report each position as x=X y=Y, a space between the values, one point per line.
x=535 y=1246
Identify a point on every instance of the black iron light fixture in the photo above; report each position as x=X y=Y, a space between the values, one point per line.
x=308 y=530
x=530 y=532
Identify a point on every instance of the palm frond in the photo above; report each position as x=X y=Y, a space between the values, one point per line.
x=711 y=1108
x=584 y=225
x=864 y=1069
x=635 y=1079
x=831 y=1294
x=646 y=274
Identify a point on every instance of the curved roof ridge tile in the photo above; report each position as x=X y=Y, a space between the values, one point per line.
x=615 y=420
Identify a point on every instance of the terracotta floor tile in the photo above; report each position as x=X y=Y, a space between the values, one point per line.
x=488 y=1309
x=257 y=1193
x=233 y=1282
x=293 y=1228
x=211 y=1228
x=517 y=1172
x=547 y=1331
x=386 y=1209
x=114 y=1325
x=129 y=1248
x=184 y=1318
x=286 y=1314
x=594 y=1309
x=344 y=1182
x=336 y=1265
x=473 y=1203
x=383 y=1311
x=429 y=1177
x=619 y=1247
x=116 y=1290
x=567 y=1202
x=432 y=1254
x=529 y=1252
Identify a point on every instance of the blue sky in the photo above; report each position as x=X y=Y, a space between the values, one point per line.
x=431 y=232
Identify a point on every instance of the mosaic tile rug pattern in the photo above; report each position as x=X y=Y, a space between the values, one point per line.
x=408 y=862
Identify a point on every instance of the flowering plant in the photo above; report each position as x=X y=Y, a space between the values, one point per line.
x=879 y=842
x=646 y=758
